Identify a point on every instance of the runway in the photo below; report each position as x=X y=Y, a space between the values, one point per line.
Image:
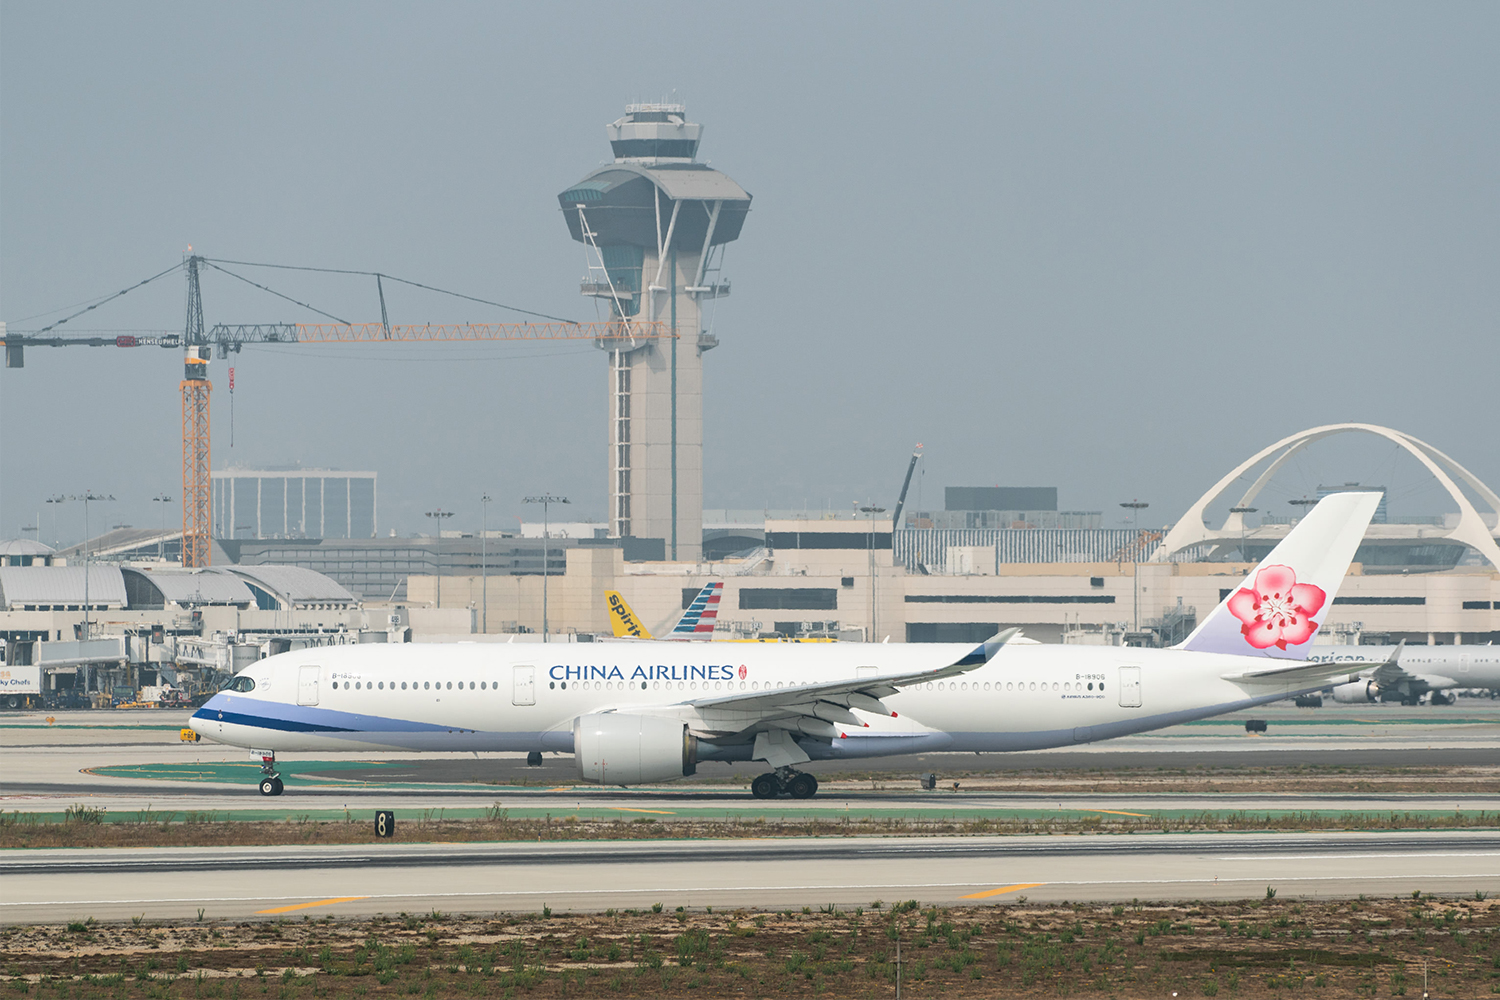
x=236 y=883
x=127 y=762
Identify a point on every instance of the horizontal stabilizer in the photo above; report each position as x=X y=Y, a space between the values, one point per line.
x=1298 y=673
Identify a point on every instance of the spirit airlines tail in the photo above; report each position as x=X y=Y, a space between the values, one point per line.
x=697 y=622
x=645 y=712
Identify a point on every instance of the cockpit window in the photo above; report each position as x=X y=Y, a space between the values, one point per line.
x=241 y=683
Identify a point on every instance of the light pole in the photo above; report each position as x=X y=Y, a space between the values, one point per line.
x=438 y=516
x=1135 y=507
x=546 y=500
x=1242 y=511
x=161 y=540
x=1304 y=503
x=484 y=562
x=86 y=497
x=56 y=542
x=872 y=510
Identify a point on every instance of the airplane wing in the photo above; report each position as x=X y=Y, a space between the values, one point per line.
x=813 y=709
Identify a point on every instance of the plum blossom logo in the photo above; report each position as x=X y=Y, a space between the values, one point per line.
x=1276 y=610
x=743 y=671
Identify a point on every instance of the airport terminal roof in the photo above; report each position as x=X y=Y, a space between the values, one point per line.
x=213 y=585
x=120 y=541
x=23 y=547
x=294 y=584
x=21 y=586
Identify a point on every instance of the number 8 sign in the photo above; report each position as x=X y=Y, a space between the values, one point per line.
x=385 y=823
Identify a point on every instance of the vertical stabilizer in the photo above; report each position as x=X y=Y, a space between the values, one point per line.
x=1278 y=608
x=698 y=621
x=622 y=619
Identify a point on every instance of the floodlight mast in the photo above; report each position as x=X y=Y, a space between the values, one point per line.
x=546 y=500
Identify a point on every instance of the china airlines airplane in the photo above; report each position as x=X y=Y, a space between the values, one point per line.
x=643 y=712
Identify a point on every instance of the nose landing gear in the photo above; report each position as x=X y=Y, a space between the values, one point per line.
x=270 y=781
x=797 y=784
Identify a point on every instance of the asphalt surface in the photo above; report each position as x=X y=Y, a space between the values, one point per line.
x=238 y=883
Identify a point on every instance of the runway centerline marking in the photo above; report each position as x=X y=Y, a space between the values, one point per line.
x=307 y=906
x=1003 y=890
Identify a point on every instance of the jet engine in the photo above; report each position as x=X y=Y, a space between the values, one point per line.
x=615 y=749
x=1357 y=692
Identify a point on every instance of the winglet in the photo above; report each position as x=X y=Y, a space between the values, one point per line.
x=985 y=651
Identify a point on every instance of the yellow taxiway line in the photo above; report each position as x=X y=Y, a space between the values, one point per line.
x=627 y=809
x=305 y=906
x=1002 y=890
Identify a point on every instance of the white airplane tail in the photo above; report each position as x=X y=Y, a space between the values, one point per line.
x=1278 y=608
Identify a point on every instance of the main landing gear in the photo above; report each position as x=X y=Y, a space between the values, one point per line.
x=270 y=781
x=797 y=784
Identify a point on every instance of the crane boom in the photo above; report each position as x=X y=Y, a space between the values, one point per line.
x=229 y=337
x=198 y=342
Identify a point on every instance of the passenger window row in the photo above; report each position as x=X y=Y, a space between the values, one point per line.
x=1068 y=686
x=424 y=686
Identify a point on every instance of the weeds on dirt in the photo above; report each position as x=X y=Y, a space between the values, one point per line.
x=84 y=826
x=1249 y=949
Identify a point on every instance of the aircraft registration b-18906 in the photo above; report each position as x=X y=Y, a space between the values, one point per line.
x=642 y=712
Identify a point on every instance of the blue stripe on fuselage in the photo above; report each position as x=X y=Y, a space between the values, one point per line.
x=305 y=718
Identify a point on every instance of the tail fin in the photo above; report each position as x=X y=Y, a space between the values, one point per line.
x=1278 y=608
x=622 y=619
x=698 y=621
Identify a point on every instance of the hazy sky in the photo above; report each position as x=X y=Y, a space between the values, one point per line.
x=1115 y=248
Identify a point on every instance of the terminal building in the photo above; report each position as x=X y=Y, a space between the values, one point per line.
x=1424 y=579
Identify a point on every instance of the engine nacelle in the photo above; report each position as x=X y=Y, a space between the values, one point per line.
x=1357 y=692
x=615 y=749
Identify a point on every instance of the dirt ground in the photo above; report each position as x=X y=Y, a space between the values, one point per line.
x=1261 y=948
x=86 y=828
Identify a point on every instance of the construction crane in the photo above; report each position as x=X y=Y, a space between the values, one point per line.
x=199 y=343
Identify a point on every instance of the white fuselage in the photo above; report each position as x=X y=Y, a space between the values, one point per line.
x=486 y=697
x=1434 y=668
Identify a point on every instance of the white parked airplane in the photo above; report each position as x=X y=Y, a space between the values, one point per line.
x=643 y=712
x=1406 y=673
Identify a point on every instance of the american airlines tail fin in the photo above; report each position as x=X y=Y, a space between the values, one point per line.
x=1278 y=608
x=698 y=621
x=622 y=619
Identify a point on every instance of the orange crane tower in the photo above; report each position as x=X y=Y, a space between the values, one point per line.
x=198 y=345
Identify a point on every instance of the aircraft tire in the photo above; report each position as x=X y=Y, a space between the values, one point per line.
x=534 y=759
x=765 y=787
x=270 y=786
x=802 y=786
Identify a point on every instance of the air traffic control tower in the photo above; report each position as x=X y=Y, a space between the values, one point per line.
x=654 y=224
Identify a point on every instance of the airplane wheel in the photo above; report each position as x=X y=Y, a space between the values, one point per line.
x=534 y=759
x=279 y=786
x=765 y=787
x=803 y=786
x=270 y=786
